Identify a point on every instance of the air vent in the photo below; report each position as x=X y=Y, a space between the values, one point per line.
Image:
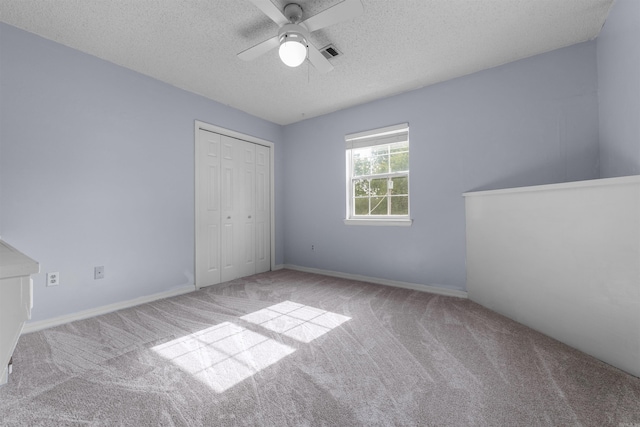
x=330 y=51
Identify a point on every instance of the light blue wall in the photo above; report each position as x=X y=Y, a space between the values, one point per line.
x=619 y=90
x=534 y=121
x=97 y=168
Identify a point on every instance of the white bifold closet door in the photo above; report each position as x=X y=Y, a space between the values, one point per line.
x=233 y=202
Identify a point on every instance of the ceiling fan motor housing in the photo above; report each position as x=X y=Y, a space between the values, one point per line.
x=293 y=12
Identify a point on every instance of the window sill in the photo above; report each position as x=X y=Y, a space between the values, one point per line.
x=380 y=222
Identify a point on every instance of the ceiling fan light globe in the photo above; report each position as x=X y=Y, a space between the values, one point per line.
x=292 y=52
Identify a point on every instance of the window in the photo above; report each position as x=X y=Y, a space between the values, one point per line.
x=378 y=176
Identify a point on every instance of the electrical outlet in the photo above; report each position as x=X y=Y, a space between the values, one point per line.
x=98 y=272
x=53 y=279
x=313 y=248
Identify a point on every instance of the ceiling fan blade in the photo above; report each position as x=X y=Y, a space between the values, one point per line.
x=271 y=11
x=344 y=11
x=320 y=63
x=259 y=49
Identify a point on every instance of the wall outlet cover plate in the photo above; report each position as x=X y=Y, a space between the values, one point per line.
x=53 y=279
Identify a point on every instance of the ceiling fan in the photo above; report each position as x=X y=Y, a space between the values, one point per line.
x=293 y=36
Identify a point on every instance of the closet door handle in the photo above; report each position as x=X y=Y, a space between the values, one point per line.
x=249 y=216
x=228 y=217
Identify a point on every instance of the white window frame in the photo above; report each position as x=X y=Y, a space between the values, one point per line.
x=380 y=136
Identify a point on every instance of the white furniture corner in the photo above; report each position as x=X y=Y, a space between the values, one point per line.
x=16 y=290
x=563 y=259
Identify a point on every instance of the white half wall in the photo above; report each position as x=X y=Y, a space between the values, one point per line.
x=563 y=259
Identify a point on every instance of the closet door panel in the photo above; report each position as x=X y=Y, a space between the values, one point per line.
x=231 y=198
x=207 y=237
x=263 y=209
x=248 y=260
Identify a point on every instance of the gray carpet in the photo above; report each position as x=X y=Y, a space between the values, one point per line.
x=294 y=349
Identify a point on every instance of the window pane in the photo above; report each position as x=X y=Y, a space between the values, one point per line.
x=378 y=205
x=361 y=187
x=399 y=147
x=400 y=162
x=362 y=152
x=380 y=150
x=380 y=164
x=378 y=186
x=400 y=186
x=361 y=165
x=361 y=206
x=399 y=205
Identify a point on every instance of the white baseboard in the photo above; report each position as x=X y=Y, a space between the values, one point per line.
x=440 y=290
x=49 y=323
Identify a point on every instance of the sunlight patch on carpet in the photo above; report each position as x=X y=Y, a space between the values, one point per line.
x=223 y=355
x=226 y=354
x=300 y=322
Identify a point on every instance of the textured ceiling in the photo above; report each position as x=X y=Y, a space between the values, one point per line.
x=395 y=46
